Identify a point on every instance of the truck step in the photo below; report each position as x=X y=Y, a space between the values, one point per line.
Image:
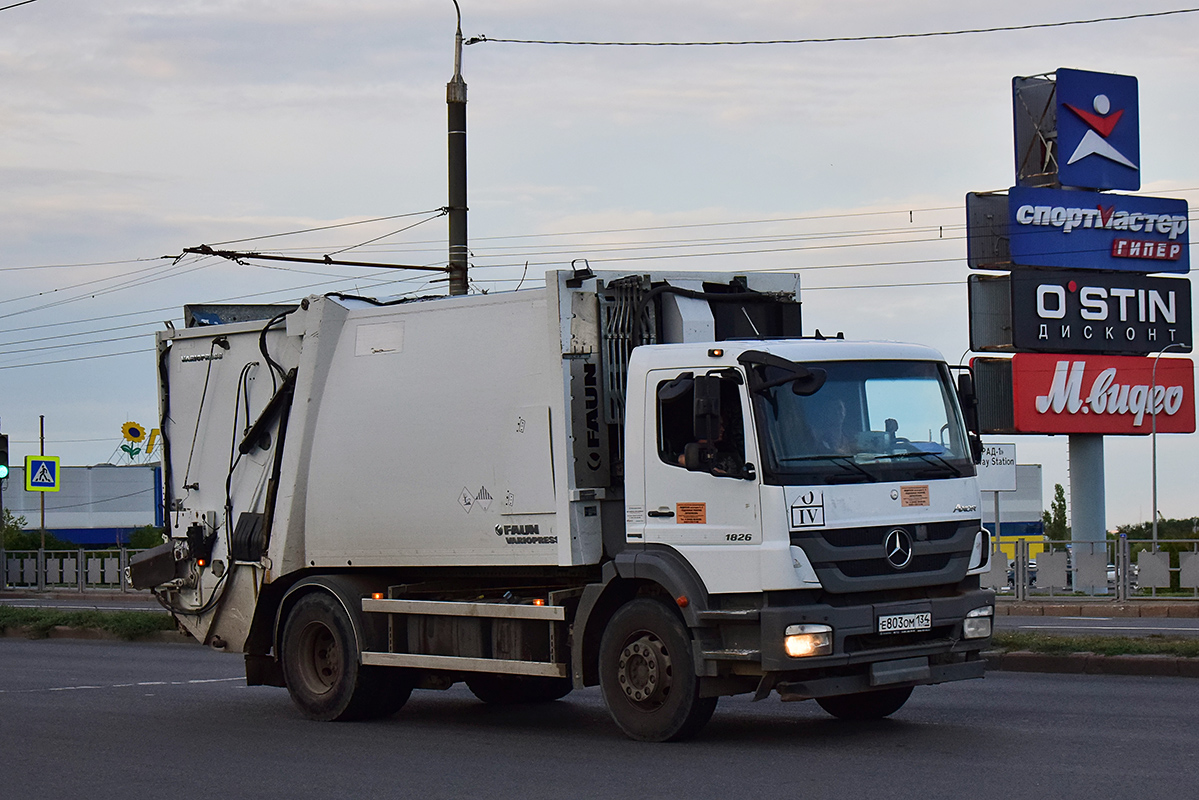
x=737 y=615
x=463 y=664
x=733 y=655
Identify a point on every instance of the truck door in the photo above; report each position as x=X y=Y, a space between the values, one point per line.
x=701 y=493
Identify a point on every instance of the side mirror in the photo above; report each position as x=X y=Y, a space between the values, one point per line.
x=969 y=402
x=697 y=456
x=976 y=446
x=706 y=407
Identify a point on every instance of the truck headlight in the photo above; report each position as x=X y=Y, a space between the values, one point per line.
x=977 y=624
x=801 y=641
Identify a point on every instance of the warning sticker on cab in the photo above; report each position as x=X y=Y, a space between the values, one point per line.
x=913 y=495
x=691 y=513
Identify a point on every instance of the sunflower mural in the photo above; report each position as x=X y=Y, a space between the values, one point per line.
x=134 y=435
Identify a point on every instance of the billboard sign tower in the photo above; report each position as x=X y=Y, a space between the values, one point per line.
x=1080 y=303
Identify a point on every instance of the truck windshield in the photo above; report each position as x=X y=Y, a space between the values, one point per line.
x=870 y=421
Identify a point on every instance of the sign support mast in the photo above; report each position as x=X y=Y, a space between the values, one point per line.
x=42 y=439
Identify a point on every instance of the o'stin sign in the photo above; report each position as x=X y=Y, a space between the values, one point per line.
x=1102 y=394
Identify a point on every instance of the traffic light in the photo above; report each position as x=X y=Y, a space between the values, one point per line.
x=3 y=455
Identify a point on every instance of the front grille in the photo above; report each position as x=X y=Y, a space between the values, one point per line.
x=854 y=559
x=861 y=537
x=879 y=566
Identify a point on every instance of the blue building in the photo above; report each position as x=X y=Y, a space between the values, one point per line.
x=98 y=505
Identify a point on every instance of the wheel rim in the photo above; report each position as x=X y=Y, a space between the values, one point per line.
x=645 y=671
x=320 y=658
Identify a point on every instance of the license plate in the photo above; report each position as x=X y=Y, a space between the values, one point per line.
x=905 y=623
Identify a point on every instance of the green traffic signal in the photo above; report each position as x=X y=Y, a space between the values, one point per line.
x=3 y=455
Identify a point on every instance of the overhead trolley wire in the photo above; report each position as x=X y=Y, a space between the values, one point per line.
x=835 y=39
x=435 y=211
x=14 y=5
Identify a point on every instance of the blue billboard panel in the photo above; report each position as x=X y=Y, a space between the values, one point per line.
x=1098 y=130
x=1089 y=230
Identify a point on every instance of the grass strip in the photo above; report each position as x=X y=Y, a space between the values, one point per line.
x=1100 y=645
x=129 y=625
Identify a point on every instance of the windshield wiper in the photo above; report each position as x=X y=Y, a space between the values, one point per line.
x=842 y=461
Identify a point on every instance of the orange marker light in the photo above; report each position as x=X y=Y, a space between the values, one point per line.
x=538 y=602
x=201 y=561
x=377 y=596
x=682 y=601
x=716 y=352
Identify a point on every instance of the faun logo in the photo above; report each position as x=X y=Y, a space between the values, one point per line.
x=517 y=530
x=217 y=356
x=524 y=534
x=591 y=395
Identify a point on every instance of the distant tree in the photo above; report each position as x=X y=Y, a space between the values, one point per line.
x=1169 y=532
x=17 y=539
x=146 y=537
x=12 y=530
x=1055 y=518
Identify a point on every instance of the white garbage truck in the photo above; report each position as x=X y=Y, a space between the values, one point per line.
x=648 y=482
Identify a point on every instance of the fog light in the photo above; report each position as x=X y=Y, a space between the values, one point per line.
x=977 y=624
x=801 y=641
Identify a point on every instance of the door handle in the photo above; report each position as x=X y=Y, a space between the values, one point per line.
x=659 y=513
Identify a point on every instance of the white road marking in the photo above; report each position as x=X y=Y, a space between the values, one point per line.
x=122 y=685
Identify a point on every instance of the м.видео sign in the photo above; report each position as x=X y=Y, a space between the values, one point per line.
x=1087 y=394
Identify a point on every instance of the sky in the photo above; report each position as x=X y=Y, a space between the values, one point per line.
x=132 y=129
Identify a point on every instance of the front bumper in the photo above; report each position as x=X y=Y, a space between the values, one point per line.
x=862 y=659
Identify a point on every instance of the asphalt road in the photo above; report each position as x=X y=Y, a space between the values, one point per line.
x=115 y=720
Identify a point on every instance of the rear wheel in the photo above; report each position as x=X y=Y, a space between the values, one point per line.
x=322 y=670
x=647 y=674
x=513 y=689
x=866 y=705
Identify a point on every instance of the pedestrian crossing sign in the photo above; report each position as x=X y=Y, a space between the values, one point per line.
x=42 y=474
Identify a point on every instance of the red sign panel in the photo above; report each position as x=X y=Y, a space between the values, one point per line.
x=1102 y=394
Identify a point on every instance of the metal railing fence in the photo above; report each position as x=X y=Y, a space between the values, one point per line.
x=1121 y=568
x=58 y=570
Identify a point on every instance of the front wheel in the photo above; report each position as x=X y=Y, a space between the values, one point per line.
x=647 y=673
x=866 y=705
x=322 y=670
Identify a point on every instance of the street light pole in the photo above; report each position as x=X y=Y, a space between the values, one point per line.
x=455 y=98
x=1153 y=435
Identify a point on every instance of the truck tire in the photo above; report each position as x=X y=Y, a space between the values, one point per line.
x=866 y=705
x=647 y=673
x=322 y=670
x=514 y=689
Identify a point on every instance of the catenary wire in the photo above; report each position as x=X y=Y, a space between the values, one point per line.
x=836 y=39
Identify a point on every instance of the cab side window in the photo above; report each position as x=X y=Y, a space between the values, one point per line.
x=721 y=447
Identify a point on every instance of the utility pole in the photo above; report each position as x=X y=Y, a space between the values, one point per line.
x=1153 y=415
x=455 y=98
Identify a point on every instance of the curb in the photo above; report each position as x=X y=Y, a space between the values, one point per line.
x=94 y=634
x=1096 y=608
x=1092 y=664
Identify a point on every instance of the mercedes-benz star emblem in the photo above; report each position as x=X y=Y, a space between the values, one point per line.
x=898 y=546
